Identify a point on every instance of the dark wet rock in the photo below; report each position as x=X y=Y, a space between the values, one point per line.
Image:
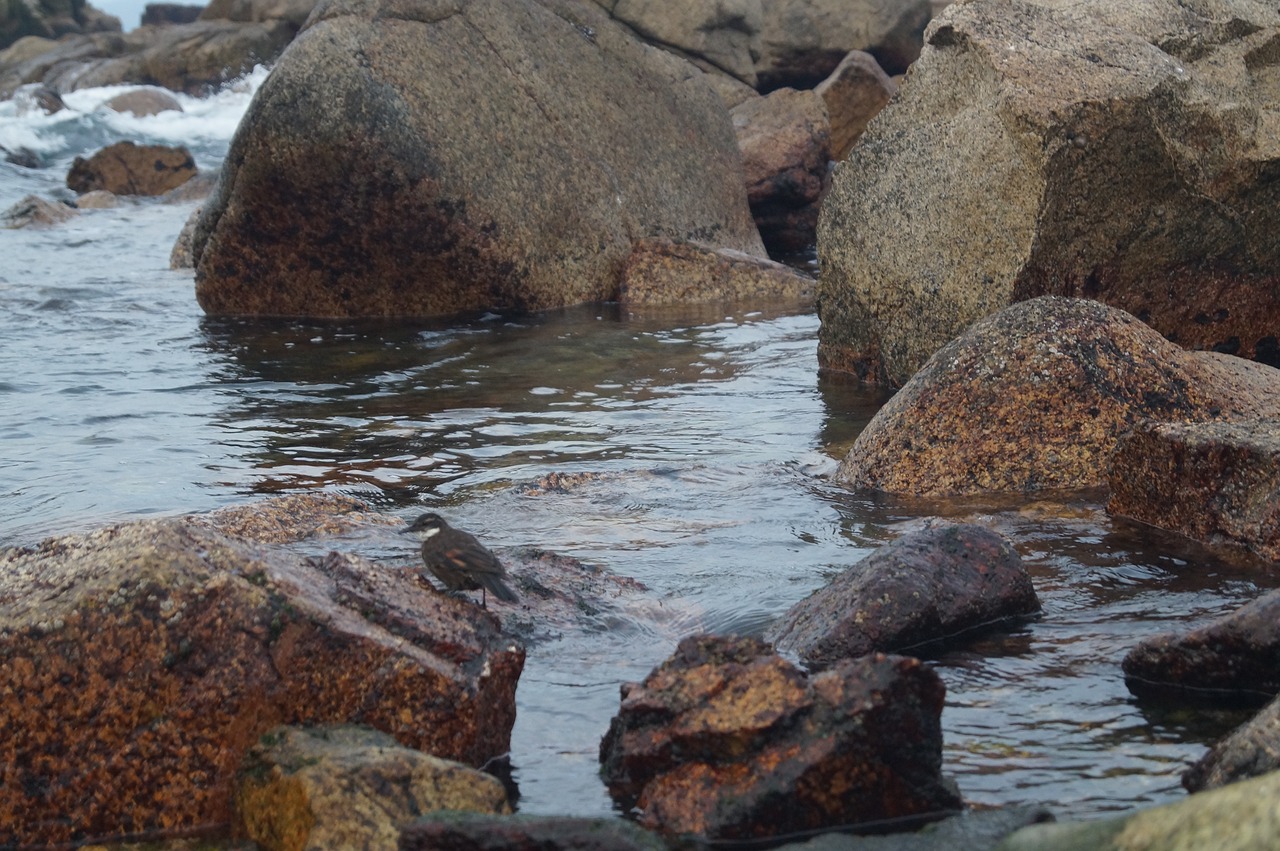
x=926 y=588
x=544 y=833
x=587 y=141
x=156 y=653
x=802 y=41
x=971 y=830
x=854 y=93
x=192 y=58
x=712 y=33
x=1241 y=816
x=1237 y=656
x=165 y=14
x=24 y=157
x=34 y=97
x=665 y=272
x=51 y=19
x=126 y=168
x=727 y=740
x=1251 y=750
x=294 y=12
x=180 y=256
x=1112 y=151
x=349 y=787
x=785 y=142
x=1038 y=395
x=144 y=101
x=1215 y=482
x=35 y=211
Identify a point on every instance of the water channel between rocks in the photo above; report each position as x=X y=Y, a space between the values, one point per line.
x=716 y=439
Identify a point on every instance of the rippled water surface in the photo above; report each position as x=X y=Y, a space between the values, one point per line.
x=716 y=440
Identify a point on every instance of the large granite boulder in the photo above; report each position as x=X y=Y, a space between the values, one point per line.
x=1118 y=151
x=854 y=93
x=927 y=587
x=1251 y=750
x=51 y=19
x=316 y=789
x=139 y=662
x=1215 y=482
x=802 y=41
x=1236 y=656
x=496 y=154
x=720 y=35
x=1038 y=396
x=191 y=58
x=727 y=740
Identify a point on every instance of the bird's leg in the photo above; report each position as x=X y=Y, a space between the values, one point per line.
x=483 y=604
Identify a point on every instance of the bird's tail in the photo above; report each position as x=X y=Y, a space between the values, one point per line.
x=495 y=586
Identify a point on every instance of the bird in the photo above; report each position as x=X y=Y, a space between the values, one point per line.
x=458 y=560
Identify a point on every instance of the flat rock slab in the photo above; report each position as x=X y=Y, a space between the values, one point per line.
x=666 y=272
x=925 y=588
x=727 y=740
x=1238 y=655
x=139 y=662
x=1215 y=482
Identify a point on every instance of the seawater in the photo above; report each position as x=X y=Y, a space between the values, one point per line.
x=713 y=434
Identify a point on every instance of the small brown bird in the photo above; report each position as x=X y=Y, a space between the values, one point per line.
x=458 y=560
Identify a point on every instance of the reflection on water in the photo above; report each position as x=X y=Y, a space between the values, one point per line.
x=714 y=441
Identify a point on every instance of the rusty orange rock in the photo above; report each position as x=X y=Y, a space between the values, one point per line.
x=139 y=662
x=727 y=740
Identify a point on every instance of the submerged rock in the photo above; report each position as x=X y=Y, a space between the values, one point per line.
x=1215 y=482
x=140 y=102
x=126 y=168
x=1236 y=656
x=1038 y=396
x=926 y=587
x=727 y=740
x=484 y=155
x=34 y=210
x=1251 y=750
x=1117 y=151
x=155 y=653
x=544 y=833
x=349 y=787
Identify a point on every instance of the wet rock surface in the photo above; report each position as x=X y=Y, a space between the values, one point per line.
x=926 y=588
x=1215 y=482
x=530 y=202
x=1251 y=750
x=126 y=168
x=349 y=787
x=727 y=740
x=545 y=833
x=139 y=662
x=36 y=211
x=1236 y=656
x=1038 y=395
x=1111 y=151
x=664 y=272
